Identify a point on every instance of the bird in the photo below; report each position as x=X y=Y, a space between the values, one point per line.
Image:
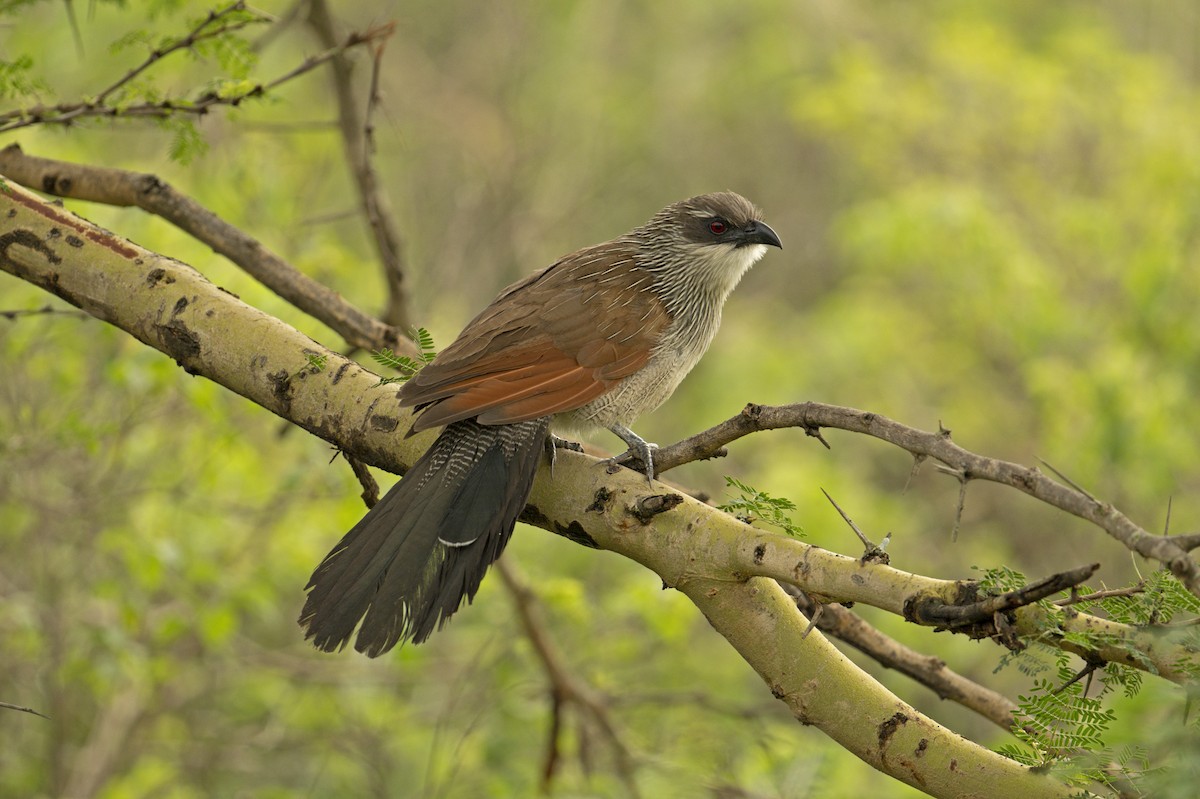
x=594 y=340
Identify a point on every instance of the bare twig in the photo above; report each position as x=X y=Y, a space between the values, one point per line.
x=358 y=144
x=67 y=113
x=565 y=687
x=45 y=310
x=1076 y=598
x=22 y=709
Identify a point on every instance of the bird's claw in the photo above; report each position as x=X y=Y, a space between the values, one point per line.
x=554 y=443
x=639 y=449
x=643 y=454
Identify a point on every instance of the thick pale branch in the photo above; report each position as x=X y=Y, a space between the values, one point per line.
x=743 y=551
x=208 y=331
x=822 y=687
x=812 y=416
x=170 y=307
x=932 y=672
x=122 y=188
x=693 y=549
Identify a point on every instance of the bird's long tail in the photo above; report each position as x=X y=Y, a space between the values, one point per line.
x=406 y=567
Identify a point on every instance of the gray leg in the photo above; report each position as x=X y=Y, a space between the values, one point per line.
x=638 y=447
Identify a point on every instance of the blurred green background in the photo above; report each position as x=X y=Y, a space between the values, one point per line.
x=991 y=220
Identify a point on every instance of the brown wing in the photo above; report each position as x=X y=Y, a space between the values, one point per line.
x=551 y=343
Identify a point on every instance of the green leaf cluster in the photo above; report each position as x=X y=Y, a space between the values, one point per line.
x=752 y=505
x=404 y=364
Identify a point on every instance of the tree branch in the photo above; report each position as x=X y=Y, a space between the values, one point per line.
x=812 y=416
x=358 y=145
x=693 y=548
x=119 y=187
x=845 y=625
x=565 y=688
x=982 y=611
x=208 y=331
x=217 y=23
x=68 y=113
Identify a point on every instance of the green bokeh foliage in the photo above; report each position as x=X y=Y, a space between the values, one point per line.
x=990 y=214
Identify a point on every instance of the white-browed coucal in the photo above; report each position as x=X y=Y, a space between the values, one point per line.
x=596 y=339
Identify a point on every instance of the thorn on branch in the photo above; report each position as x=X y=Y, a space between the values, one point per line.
x=1068 y=481
x=963 y=477
x=918 y=459
x=872 y=553
x=813 y=431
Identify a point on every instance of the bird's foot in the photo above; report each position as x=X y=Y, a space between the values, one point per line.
x=639 y=450
x=554 y=443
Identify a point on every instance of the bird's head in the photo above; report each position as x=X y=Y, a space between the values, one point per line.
x=706 y=242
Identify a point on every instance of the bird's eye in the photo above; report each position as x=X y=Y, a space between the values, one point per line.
x=717 y=226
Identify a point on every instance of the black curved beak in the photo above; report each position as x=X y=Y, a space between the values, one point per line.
x=759 y=233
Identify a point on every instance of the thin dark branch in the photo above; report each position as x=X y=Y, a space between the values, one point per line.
x=812 y=416
x=45 y=310
x=565 y=687
x=357 y=143
x=1087 y=671
x=22 y=709
x=985 y=610
x=67 y=113
x=122 y=188
x=1076 y=598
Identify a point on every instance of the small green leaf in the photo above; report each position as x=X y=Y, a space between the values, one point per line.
x=402 y=363
x=752 y=504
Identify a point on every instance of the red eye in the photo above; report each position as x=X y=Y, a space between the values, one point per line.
x=717 y=227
